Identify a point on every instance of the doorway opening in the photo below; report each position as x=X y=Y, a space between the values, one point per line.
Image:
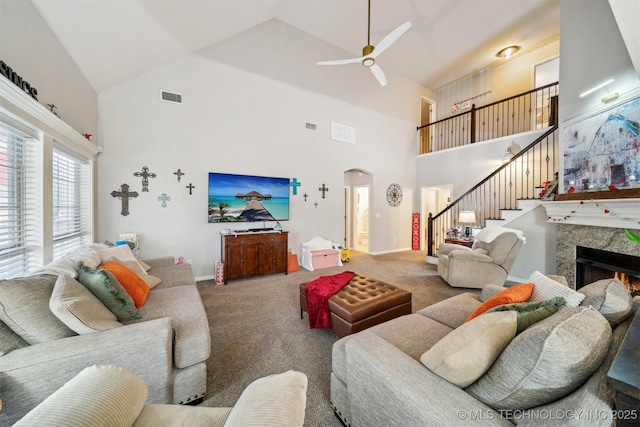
x=433 y=200
x=357 y=187
x=427 y=111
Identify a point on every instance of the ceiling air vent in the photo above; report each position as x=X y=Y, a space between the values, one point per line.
x=171 y=97
x=310 y=126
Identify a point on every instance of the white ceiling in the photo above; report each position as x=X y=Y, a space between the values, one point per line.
x=115 y=40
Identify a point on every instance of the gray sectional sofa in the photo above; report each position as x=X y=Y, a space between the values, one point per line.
x=167 y=345
x=551 y=373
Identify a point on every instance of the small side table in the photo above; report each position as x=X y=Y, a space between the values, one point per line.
x=456 y=241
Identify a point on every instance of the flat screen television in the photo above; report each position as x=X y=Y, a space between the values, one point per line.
x=247 y=198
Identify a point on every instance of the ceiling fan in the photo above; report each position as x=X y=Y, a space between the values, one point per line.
x=370 y=53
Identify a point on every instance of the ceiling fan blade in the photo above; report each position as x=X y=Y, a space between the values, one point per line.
x=341 y=61
x=378 y=74
x=390 y=39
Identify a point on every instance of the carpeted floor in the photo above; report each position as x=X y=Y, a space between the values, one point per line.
x=256 y=328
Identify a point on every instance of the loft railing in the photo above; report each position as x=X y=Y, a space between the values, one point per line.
x=520 y=178
x=535 y=109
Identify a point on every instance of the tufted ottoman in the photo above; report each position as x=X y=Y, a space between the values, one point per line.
x=362 y=303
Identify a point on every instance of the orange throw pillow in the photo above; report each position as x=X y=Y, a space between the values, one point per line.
x=129 y=280
x=513 y=294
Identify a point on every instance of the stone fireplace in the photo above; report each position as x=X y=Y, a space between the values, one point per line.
x=573 y=239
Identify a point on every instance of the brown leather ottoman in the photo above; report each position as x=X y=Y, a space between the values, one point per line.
x=362 y=303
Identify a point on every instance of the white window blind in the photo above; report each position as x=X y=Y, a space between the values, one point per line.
x=71 y=203
x=19 y=203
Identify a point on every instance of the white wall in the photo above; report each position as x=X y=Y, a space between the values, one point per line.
x=31 y=49
x=237 y=120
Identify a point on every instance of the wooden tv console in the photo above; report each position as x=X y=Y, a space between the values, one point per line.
x=252 y=254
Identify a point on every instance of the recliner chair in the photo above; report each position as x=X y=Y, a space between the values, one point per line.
x=487 y=261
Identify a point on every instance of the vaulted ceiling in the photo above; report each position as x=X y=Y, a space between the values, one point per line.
x=115 y=40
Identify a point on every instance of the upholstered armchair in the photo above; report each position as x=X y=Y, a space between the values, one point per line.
x=487 y=261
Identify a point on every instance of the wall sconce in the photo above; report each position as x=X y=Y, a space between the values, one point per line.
x=508 y=156
x=467 y=217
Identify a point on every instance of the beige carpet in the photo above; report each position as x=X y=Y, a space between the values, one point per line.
x=256 y=328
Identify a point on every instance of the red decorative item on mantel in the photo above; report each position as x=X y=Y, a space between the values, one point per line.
x=88 y=136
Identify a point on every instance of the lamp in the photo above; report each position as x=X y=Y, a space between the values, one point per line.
x=508 y=156
x=467 y=217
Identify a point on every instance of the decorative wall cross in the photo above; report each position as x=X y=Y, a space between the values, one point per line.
x=324 y=189
x=190 y=187
x=305 y=195
x=124 y=194
x=179 y=174
x=164 y=199
x=316 y=204
x=145 y=177
x=295 y=184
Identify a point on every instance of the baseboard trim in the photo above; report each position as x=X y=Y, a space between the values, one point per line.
x=390 y=252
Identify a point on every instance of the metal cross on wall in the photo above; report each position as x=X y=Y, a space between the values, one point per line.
x=295 y=184
x=179 y=173
x=190 y=187
x=145 y=177
x=324 y=189
x=305 y=195
x=124 y=194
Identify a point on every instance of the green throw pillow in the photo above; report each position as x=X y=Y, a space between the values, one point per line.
x=109 y=291
x=532 y=312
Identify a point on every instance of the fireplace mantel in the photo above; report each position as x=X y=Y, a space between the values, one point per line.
x=616 y=213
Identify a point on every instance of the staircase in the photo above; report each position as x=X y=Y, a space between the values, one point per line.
x=508 y=193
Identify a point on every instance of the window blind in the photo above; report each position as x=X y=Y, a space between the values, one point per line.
x=71 y=203
x=19 y=205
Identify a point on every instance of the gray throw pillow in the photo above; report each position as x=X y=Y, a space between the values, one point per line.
x=547 y=361
x=107 y=289
x=532 y=312
x=610 y=297
x=9 y=340
x=24 y=307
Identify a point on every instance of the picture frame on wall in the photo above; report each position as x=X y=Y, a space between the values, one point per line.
x=602 y=150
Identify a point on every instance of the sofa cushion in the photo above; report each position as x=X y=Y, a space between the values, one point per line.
x=99 y=395
x=610 y=297
x=547 y=361
x=88 y=255
x=276 y=400
x=532 y=312
x=413 y=334
x=106 y=288
x=452 y=311
x=9 y=340
x=192 y=339
x=545 y=288
x=134 y=266
x=24 y=307
x=513 y=294
x=466 y=353
x=174 y=275
x=129 y=280
x=79 y=309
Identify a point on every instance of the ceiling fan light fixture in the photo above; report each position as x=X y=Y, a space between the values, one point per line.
x=508 y=52
x=368 y=62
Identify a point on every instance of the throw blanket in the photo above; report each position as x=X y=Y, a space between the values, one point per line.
x=318 y=293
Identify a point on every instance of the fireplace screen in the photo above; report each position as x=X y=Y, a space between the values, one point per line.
x=595 y=264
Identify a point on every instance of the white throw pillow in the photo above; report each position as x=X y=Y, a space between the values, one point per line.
x=467 y=352
x=97 y=396
x=545 y=288
x=79 y=309
x=276 y=400
x=122 y=252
